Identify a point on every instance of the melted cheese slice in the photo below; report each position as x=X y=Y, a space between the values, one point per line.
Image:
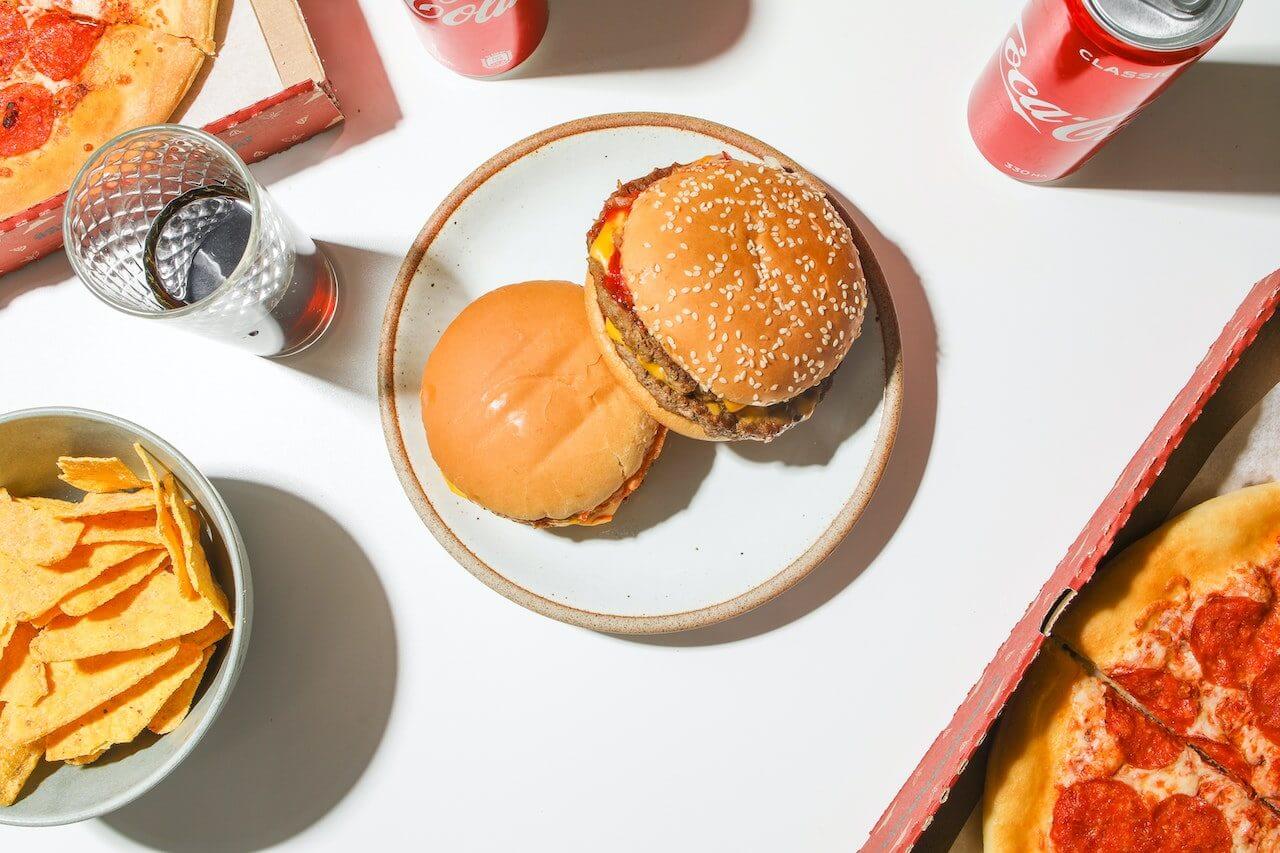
x=604 y=246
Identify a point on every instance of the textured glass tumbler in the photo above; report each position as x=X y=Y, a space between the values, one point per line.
x=166 y=223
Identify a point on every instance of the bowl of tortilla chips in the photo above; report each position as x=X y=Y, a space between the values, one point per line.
x=125 y=604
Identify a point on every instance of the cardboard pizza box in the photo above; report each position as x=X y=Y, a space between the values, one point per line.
x=938 y=808
x=265 y=91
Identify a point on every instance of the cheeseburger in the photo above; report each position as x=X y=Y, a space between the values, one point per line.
x=723 y=295
x=522 y=417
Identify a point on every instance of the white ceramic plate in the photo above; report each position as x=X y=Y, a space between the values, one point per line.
x=716 y=528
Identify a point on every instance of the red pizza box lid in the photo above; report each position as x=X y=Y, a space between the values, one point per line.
x=941 y=794
x=265 y=91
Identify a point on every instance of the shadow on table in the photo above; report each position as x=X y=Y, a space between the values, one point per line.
x=355 y=70
x=1217 y=129
x=902 y=476
x=48 y=271
x=348 y=353
x=593 y=36
x=311 y=705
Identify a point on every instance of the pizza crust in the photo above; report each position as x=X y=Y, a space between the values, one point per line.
x=136 y=77
x=191 y=19
x=1207 y=545
x=1026 y=761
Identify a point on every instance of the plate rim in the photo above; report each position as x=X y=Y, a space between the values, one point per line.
x=789 y=575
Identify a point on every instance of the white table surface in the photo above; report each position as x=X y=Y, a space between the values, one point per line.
x=392 y=700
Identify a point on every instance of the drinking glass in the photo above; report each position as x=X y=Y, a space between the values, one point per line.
x=166 y=223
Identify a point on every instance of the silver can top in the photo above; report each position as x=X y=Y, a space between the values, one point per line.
x=1164 y=24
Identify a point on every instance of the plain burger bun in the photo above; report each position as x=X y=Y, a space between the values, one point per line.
x=627 y=379
x=524 y=419
x=747 y=276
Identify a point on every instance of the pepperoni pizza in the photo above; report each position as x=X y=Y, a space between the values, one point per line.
x=1185 y=628
x=1076 y=769
x=74 y=73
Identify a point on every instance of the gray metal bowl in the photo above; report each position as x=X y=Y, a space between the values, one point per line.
x=30 y=443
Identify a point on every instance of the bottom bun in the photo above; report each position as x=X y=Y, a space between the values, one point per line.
x=672 y=421
x=604 y=513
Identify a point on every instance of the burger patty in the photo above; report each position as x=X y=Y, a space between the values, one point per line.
x=681 y=395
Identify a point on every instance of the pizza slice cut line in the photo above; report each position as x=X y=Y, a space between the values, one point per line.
x=1196 y=604
x=1063 y=777
x=1173 y=728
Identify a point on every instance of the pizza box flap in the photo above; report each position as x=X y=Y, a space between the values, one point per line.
x=263 y=48
x=289 y=40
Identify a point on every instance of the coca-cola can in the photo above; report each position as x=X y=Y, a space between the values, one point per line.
x=480 y=38
x=1071 y=73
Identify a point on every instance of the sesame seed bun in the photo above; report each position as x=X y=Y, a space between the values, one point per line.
x=522 y=417
x=746 y=276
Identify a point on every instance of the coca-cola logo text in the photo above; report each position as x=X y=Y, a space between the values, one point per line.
x=453 y=13
x=1024 y=97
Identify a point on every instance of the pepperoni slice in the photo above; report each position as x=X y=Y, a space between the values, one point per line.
x=1222 y=635
x=1144 y=744
x=13 y=38
x=1186 y=824
x=1226 y=756
x=1264 y=696
x=1174 y=702
x=1100 y=816
x=61 y=44
x=1267 y=641
x=26 y=118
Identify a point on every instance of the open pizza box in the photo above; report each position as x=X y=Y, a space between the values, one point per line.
x=263 y=92
x=1222 y=432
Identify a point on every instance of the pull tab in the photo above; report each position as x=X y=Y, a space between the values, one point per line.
x=1180 y=9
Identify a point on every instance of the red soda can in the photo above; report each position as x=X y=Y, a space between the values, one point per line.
x=480 y=38
x=1071 y=73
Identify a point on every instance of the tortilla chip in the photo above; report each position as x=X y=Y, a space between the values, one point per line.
x=209 y=634
x=32 y=533
x=16 y=766
x=6 y=633
x=197 y=564
x=77 y=687
x=81 y=760
x=28 y=590
x=136 y=526
x=108 y=503
x=151 y=611
x=54 y=505
x=46 y=617
x=123 y=717
x=112 y=582
x=96 y=474
x=175 y=708
x=166 y=527
x=22 y=677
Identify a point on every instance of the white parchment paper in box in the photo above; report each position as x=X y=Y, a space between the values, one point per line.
x=242 y=73
x=1248 y=455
